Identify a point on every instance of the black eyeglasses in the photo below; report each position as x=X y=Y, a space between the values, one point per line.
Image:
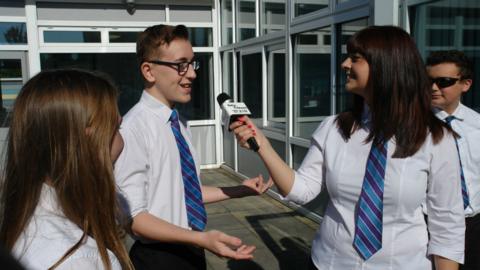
x=181 y=67
x=444 y=82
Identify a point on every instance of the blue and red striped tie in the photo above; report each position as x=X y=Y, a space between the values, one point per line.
x=369 y=220
x=466 y=202
x=197 y=217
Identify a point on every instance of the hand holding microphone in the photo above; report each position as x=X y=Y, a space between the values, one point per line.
x=234 y=111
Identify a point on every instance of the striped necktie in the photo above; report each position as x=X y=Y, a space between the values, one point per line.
x=368 y=223
x=197 y=217
x=466 y=202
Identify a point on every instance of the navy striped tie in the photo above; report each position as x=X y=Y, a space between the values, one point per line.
x=197 y=217
x=466 y=202
x=368 y=223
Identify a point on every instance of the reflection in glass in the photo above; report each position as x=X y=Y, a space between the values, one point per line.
x=227 y=87
x=227 y=22
x=307 y=6
x=11 y=82
x=449 y=25
x=200 y=36
x=71 y=36
x=122 y=37
x=276 y=86
x=251 y=91
x=311 y=81
x=129 y=81
x=343 y=99
x=273 y=15
x=227 y=72
x=246 y=19
x=13 y=33
x=201 y=105
x=127 y=78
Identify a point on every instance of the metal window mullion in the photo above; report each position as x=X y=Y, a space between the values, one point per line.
x=288 y=84
x=235 y=90
x=333 y=67
x=257 y=18
x=34 y=65
x=217 y=83
x=264 y=87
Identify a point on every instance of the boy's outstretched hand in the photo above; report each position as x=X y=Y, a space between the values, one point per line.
x=227 y=246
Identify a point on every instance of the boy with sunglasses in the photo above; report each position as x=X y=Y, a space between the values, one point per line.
x=451 y=75
x=157 y=172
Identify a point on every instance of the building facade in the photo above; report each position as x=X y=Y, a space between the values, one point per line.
x=281 y=57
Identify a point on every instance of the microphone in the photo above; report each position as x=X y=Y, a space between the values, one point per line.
x=231 y=112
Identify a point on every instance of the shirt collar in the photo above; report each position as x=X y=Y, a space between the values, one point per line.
x=157 y=107
x=459 y=113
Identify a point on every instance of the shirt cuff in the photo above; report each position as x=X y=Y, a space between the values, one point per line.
x=449 y=253
x=297 y=193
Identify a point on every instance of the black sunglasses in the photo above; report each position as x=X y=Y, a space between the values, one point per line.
x=444 y=82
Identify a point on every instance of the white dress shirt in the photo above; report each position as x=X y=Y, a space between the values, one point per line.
x=148 y=171
x=430 y=176
x=467 y=125
x=49 y=234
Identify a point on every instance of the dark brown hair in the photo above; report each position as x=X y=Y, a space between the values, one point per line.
x=400 y=91
x=48 y=142
x=155 y=36
x=458 y=58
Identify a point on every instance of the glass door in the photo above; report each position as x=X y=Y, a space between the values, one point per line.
x=13 y=74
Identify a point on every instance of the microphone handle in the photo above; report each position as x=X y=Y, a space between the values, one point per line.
x=253 y=144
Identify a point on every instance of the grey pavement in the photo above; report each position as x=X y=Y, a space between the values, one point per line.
x=282 y=236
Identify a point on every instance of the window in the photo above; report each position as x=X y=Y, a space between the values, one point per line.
x=312 y=96
x=227 y=87
x=127 y=78
x=200 y=36
x=251 y=83
x=273 y=15
x=13 y=33
x=129 y=82
x=10 y=84
x=95 y=12
x=448 y=25
x=227 y=68
x=307 y=6
x=226 y=22
x=201 y=105
x=71 y=36
x=246 y=19
x=184 y=13
x=122 y=37
x=276 y=90
x=343 y=99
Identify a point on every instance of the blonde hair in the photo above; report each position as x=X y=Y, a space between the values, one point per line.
x=48 y=141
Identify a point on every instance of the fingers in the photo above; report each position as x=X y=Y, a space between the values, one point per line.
x=270 y=182
x=245 y=249
x=232 y=247
x=230 y=240
x=265 y=185
x=244 y=252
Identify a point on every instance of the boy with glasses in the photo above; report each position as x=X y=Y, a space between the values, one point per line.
x=451 y=75
x=157 y=172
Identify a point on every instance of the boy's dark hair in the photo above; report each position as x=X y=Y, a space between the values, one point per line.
x=154 y=36
x=458 y=58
